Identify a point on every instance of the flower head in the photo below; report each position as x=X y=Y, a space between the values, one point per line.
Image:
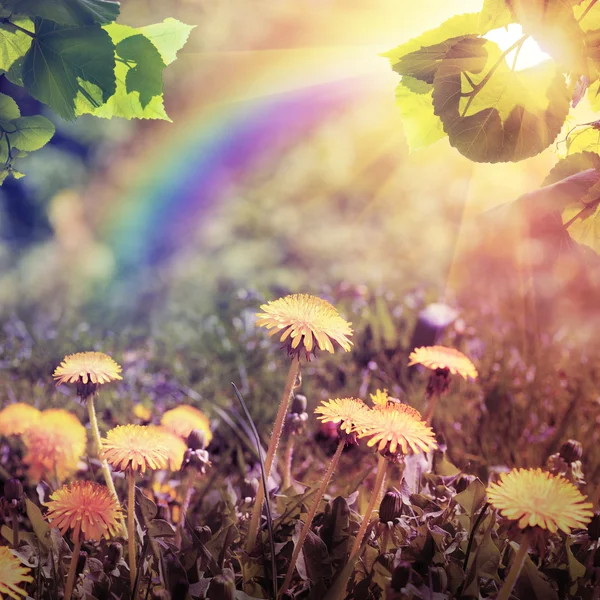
x=16 y=418
x=382 y=398
x=12 y=573
x=537 y=498
x=344 y=411
x=183 y=419
x=54 y=445
x=143 y=413
x=440 y=357
x=87 y=370
x=172 y=443
x=134 y=447
x=89 y=509
x=302 y=319
x=396 y=429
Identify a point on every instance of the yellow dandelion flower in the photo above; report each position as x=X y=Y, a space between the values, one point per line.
x=16 y=418
x=142 y=412
x=183 y=419
x=537 y=498
x=345 y=411
x=440 y=357
x=12 y=574
x=173 y=444
x=304 y=319
x=396 y=429
x=54 y=445
x=134 y=447
x=382 y=398
x=87 y=370
x=89 y=509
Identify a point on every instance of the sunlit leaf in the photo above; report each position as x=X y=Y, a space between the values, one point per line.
x=572 y=164
x=62 y=59
x=554 y=27
x=493 y=114
x=584 y=139
x=14 y=43
x=126 y=102
x=66 y=12
x=584 y=223
x=169 y=37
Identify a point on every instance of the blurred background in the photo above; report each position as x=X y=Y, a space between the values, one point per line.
x=285 y=165
x=286 y=169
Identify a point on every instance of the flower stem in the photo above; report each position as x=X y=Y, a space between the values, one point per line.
x=287 y=462
x=14 y=517
x=98 y=444
x=277 y=429
x=187 y=498
x=131 y=525
x=430 y=408
x=381 y=471
x=515 y=569
x=72 y=568
x=311 y=515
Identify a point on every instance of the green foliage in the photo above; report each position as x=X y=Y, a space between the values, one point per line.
x=71 y=56
x=456 y=82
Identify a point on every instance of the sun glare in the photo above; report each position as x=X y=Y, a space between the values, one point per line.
x=530 y=53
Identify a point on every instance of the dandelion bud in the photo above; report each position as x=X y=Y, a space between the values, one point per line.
x=299 y=404
x=593 y=527
x=571 y=451
x=13 y=491
x=196 y=459
x=197 y=439
x=220 y=588
x=390 y=507
x=204 y=533
x=401 y=576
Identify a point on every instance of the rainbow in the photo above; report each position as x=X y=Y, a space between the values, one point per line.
x=203 y=156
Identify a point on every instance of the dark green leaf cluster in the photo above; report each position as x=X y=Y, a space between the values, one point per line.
x=490 y=110
x=458 y=82
x=71 y=56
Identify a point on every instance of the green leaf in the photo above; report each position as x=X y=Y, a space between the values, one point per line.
x=8 y=108
x=492 y=114
x=572 y=164
x=39 y=523
x=576 y=569
x=540 y=587
x=457 y=26
x=14 y=43
x=555 y=29
x=67 y=12
x=584 y=222
x=168 y=37
x=122 y=103
x=146 y=76
x=62 y=59
x=584 y=139
x=472 y=498
x=29 y=133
